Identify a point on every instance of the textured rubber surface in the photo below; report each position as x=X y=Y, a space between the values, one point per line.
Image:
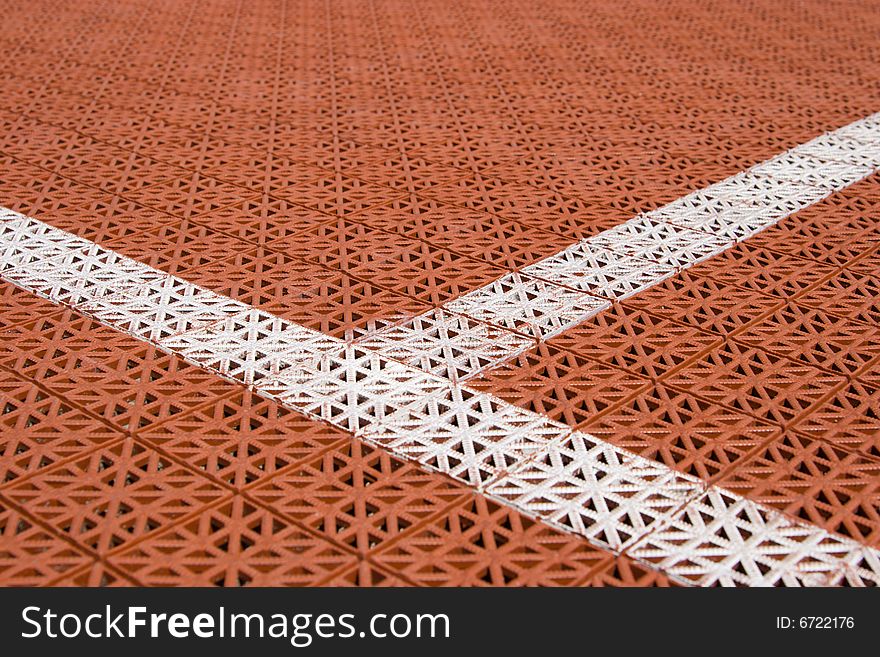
x=352 y=167
x=529 y=461
x=216 y=487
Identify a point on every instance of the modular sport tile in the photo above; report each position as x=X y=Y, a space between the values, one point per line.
x=388 y=293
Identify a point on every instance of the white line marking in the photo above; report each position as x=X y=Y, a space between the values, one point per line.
x=569 y=479
x=540 y=302
x=528 y=305
x=449 y=345
x=616 y=499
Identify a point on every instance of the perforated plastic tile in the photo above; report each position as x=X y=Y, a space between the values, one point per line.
x=847 y=294
x=522 y=203
x=503 y=242
x=339 y=195
x=725 y=540
x=114 y=495
x=716 y=213
x=348 y=386
x=231 y=544
x=117 y=170
x=27 y=241
x=817 y=482
x=623 y=571
x=704 y=303
x=479 y=542
x=635 y=340
x=51 y=192
x=329 y=301
x=19 y=305
x=409 y=174
x=528 y=305
x=468 y=152
x=101 y=223
x=267 y=173
x=659 y=242
x=241 y=438
x=850 y=417
x=685 y=432
x=817 y=338
x=341 y=244
x=778 y=195
x=398 y=158
x=840 y=148
x=30 y=347
x=360 y=495
x=862 y=569
x=866 y=263
x=253 y=346
x=39 y=429
x=834 y=232
x=560 y=384
x=162 y=307
x=590 y=488
x=127 y=382
x=600 y=271
x=870 y=375
x=864 y=131
x=757 y=382
x=761 y=270
x=814 y=170
x=447 y=344
x=407 y=266
x=471 y=436
x=19 y=181
x=367 y=575
x=80 y=274
x=584 y=172
x=263 y=219
x=97 y=574
x=334 y=152
x=189 y=196
x=178 y=246
x=30 y=555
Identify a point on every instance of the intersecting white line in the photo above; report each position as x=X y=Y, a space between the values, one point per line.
x=569 y=287
x=397 y=395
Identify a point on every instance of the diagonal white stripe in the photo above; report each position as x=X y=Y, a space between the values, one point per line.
x=569 y=479
x=542 y=300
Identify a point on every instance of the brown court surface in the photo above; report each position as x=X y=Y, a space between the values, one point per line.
x=348 y=164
